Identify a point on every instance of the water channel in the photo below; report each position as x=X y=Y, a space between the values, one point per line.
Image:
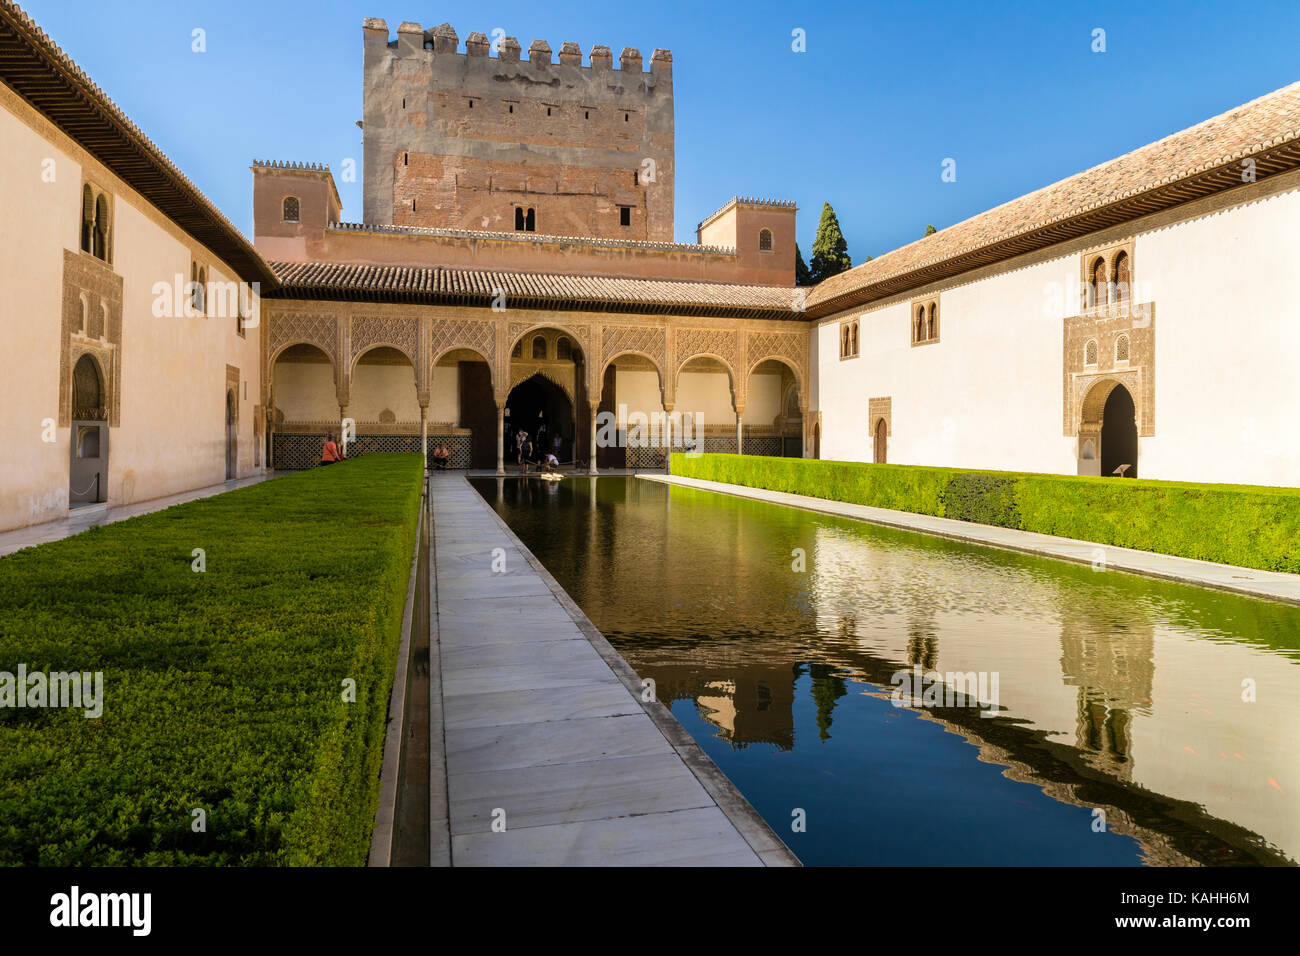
x=1059 y=715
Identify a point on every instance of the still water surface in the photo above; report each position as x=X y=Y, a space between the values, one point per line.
x=1115 y=695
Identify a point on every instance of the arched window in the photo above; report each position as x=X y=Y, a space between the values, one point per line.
x=844 y=341
x=855 y=338
x=920 y=324
x=292 y=209
x=530 y=222
x=539 y=347
x=87 y=218
x=765 y=240
x=100 y=250
x=1122 y=278
x=1090 y=352
x=563 y=349
x=1099 y=282
x=519 y=219
x=87 y=391
x=1121 y=349
x=932 y=326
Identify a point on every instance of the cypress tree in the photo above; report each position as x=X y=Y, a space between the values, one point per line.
x=801 y=274
x=830 y=251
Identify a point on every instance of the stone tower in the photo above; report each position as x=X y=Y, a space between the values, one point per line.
x=473 y=140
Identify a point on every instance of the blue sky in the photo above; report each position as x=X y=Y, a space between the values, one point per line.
x=863 y=119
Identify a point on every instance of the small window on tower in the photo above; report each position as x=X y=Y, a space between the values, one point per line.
x=765 y=240
x=625 y=215
x=586 y=114
x=548 y=111
x=519 y=219
x=512 y=107
x=530 y=222
x=471 y=104
x=291 y=209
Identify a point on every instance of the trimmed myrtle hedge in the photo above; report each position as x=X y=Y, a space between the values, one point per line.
x=222 y=690
x=1245 y=525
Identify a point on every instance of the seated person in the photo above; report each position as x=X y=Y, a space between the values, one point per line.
x=330 y=452
x=550 y=462
x=441 y=456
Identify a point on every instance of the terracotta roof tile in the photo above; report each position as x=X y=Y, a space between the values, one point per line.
x=571 y=291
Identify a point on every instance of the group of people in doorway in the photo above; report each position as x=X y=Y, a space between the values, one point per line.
x=529 y=452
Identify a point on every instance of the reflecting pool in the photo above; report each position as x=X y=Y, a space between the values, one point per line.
x=1059 y=715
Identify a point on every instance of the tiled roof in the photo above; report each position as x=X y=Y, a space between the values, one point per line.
x=523 y=289
x=1197 y=161
x=40 y=72
x=531 y=237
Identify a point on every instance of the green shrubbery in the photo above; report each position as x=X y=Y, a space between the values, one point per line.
x=222 y=689
x=1253 y=527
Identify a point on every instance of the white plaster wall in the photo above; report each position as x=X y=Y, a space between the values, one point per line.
x=33 y=473
x=1227 y=345
x=708 y=396
x=639 y=390
x=304 y=392
x=379 y=387
x=763 y=400
x=444 y=398
x=987 y=395
x=171 y=436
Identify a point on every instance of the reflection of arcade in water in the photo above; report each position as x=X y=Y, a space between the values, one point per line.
x=697 y=592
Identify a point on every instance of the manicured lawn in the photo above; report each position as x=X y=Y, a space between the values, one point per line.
x=223 y=690
x=1245 y=525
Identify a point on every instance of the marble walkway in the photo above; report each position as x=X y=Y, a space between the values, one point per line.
x=545 y=733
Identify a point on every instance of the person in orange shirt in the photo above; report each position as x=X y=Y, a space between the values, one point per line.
x=330 y=451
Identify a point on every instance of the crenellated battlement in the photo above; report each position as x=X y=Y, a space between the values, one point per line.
x=288 y=164
x=412 y=40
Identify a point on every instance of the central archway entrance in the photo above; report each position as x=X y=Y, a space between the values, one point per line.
x=1119 y=436
x=542 y=409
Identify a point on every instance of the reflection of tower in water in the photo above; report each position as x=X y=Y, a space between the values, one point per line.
x=1113 y=666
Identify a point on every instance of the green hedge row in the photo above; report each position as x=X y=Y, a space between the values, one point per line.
x=1249 y=526
x=223 y=689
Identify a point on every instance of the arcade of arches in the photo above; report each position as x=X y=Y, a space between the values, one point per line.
x=550 y=387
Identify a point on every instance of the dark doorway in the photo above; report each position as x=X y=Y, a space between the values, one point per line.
x=478 y=412
x=881 y=441
x=817 y=441
x=232 y=436
x=1119 y=436
x=541 y=408
x=615 y=457
x=88 y=470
